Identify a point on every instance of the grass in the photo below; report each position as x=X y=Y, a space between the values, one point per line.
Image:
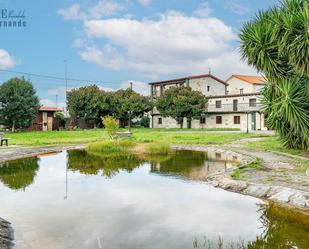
x=256 y=164
x=111 y=146
x=273 y=144
x=158 y=149
x=236 y=174
x=173 y=136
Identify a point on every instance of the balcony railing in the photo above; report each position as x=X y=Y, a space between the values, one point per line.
x=240 y=107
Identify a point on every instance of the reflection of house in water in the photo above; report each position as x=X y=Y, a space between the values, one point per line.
x=193 y=165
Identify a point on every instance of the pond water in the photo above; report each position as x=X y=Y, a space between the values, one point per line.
x=75 y=199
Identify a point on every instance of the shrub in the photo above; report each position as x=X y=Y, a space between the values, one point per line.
x=145 y=121
x=111 y=125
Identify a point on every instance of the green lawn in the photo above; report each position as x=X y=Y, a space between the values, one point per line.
x=174 y=136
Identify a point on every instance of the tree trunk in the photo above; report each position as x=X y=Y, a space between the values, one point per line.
x=13 y=126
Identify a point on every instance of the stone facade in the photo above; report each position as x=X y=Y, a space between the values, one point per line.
x=224 y=109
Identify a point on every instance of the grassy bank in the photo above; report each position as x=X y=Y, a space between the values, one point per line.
x=127 y=145
x=273 y=144
x=173 y=136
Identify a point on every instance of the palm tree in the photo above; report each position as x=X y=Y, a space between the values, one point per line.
x=276 y=43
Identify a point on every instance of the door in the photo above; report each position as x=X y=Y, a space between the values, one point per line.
x=50 y=123
x=253 y=121
x=235 y=105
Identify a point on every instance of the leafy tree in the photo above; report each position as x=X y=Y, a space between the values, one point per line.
x=181 y=102
x=276 y=42
x=131 y=105
x=60 y=116
x=89 y=103
x=19 y=103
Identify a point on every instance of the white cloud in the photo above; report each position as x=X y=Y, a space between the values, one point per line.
x=172 y=44
x=51 y=103
x=6 y=60
x=145 y=2
x=204 y=10
x=103 y=8
x=60 y=91
x=107 y=57
x=237 y=7
x=72 y=13
x=137 y=86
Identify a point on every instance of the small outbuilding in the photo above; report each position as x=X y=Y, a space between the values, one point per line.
x=46 y=120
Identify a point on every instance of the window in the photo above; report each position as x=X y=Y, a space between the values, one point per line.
x=208 y=88
x=241 y=90
x=203 y=120
x=236 y=119
x=218 y=119
x=159 y=120
x=218 y=104
x=252 y=102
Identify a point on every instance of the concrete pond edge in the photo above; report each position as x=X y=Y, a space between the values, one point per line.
x=289 y=197
x=6 y=235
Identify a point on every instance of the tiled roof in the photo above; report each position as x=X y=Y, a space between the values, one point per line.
x=190 y=77
x=249 y=78
x=50 y=109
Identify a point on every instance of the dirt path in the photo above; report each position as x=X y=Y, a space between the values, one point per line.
x=281 y=170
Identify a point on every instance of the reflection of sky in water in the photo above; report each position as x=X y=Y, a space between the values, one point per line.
x=130 y=210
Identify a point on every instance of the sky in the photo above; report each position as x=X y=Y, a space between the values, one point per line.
x=111 y=43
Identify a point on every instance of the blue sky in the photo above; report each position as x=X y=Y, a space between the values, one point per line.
x=115 y=42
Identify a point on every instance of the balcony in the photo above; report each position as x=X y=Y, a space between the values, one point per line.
x=240 y=107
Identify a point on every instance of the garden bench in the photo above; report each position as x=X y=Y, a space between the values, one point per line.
x=3 y=139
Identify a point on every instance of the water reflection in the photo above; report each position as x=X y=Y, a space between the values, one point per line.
x=18 y=174
x=177 y=165
x=277 y=233
x=107 y=164
x=143 y=207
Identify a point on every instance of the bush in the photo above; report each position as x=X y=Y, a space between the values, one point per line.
x=111 y=125
x=145 y=121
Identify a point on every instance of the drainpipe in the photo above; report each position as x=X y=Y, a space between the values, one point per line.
x=247 y=122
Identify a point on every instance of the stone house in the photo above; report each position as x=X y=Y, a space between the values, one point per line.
x=234 y=103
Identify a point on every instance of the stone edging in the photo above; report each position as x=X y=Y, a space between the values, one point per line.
x=6 y=235
x=281 y=195
x=34 y=151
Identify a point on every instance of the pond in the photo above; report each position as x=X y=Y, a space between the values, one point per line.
x=74 y=199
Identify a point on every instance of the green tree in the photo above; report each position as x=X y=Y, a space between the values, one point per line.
x=19 y=103
x=276 y=42
x=181 y=102
x=89 y=103
x=131 y=105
